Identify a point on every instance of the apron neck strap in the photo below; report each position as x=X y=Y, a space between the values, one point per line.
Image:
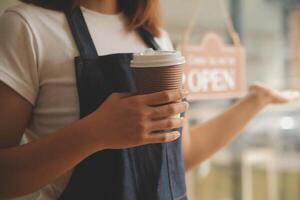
x=81 y=33
x=83 y=38
x=148 y=39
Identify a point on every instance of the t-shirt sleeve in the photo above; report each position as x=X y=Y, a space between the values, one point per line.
x=18 y=61
x=164 y=41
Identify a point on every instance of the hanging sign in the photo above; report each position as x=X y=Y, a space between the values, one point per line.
x=213 y=69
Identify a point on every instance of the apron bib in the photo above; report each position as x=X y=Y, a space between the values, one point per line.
x=150 y=172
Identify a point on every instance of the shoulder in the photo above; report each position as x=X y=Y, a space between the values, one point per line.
x=23 y=9
x=43 y=26
x=14 y=25
x=32 y=15
x=29 y=10
x=164 y=40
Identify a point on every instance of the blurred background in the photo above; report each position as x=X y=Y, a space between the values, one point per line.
x=264 y=162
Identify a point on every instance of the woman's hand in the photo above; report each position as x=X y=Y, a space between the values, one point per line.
x=124 y=121
x=266 y=95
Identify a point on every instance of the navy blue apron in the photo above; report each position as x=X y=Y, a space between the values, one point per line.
x=150 y=172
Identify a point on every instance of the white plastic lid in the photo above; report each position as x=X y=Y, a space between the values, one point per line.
x=151 y=58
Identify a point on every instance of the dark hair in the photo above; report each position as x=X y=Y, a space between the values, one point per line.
x=139 y=13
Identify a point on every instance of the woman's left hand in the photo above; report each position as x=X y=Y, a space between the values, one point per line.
x=267 y=95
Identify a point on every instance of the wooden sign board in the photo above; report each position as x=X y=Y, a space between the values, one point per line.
x=214 y=70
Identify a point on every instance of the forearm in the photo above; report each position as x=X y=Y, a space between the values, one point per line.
x=27 y=168
x=207 y=138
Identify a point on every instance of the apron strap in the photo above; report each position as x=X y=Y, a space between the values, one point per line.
x=148 y=39
x=81 y=33
x=84 y=39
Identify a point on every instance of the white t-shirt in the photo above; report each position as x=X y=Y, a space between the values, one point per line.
x=37 y=53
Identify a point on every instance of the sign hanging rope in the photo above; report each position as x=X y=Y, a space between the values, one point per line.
x=227 y=20
x=214 y=70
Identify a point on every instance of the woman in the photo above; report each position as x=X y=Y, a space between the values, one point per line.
x=85 y=124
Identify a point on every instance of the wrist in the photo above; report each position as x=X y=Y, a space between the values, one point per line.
x=259 y=98
x=89 y=136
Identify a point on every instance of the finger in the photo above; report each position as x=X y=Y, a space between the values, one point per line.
x=291 y=95
x=168 y=110
x=164 y=97
x=125 y=95
x=166 y=124
x=155 y=138
x=279 y=98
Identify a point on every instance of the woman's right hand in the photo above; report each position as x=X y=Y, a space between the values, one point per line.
x=125 y=121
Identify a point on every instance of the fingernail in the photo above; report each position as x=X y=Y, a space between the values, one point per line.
x=177 y=135
x=187 y=105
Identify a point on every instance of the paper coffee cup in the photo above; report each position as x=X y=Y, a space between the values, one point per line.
x=156 y=71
